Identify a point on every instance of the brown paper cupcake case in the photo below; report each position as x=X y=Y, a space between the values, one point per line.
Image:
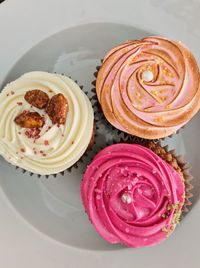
x=85 y=157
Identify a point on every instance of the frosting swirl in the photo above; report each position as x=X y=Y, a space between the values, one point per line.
x=57 y=147
x=149 y=87
x=132 y=196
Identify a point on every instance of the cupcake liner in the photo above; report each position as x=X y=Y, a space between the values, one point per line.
x=84 y=158
x=180 y=165
x=111 y=128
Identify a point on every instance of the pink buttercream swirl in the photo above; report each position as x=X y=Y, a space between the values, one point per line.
x=159 y=105
x=132 y=196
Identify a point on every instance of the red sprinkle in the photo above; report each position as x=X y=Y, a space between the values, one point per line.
x=33 y=133
x=46 y=142
x=19 y=103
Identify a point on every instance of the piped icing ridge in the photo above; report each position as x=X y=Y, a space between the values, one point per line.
x=54 y=147
x=149 y=87
x=132 y=196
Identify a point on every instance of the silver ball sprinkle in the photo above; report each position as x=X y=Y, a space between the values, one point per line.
x=126 y=198
x=147 y=76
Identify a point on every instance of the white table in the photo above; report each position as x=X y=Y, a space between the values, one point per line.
x=24 y=23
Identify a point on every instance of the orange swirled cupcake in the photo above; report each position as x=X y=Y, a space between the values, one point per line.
x=150 y=87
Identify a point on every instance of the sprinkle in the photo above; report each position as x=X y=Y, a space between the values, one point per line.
x=130 y=186
x=154 y=92
x=147 y=75
x=33 y=133
x=72 y=142
x=46 y=142
x=126 y=198
x=97 y=190
x=169 y=207
x=164 y=229
x=41 y=152
x=164 y=98
x=158 y=119
x=12 y=92
x=44 y=154
x=19 y=103
x=22 y=150
x=7 y=94
x=19 y=133
x=98 y=197
x=127 y=230
x=169 y=74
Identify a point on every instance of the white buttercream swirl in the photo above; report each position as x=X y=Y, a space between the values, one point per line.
x=66 y=143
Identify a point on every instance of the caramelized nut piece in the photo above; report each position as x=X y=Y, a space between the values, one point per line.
x=29 y=120
x=37 y=98
x=57 y=109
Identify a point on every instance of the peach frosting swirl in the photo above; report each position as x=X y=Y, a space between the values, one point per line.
x=132 y=196
x=149 y=87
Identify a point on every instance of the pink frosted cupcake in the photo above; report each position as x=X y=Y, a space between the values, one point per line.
x=134 y=195
x=149 y=88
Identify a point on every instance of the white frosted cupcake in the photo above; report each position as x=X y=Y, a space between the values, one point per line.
x=46 y=122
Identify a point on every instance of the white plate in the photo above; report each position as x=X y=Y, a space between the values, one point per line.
x=53 y=205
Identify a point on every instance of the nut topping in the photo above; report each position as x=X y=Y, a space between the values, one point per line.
x=57 y=109
x=29 y=120
x=37 y=98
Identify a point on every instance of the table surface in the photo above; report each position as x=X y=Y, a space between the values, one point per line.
x=23 y=23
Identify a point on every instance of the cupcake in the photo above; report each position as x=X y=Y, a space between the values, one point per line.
x=149 y=88
x=46 y=123
x=134 y=194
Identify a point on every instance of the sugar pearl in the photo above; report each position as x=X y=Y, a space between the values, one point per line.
x=147 y=76
x=126 y=198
